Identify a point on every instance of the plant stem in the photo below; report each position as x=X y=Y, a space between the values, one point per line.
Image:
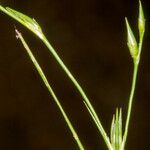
x=42 y=75
x=135 y=71
x=32 y=25
x=130 y=102
x=84 y=96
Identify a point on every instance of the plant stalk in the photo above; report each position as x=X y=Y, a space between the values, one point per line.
x=42 y=75
x=134 y=79
x=130 y=103
x=81 y=91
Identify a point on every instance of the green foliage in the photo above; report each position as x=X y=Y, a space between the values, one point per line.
x=117 y=138
x=28 y=22
x=49 y=87
x=116 y=130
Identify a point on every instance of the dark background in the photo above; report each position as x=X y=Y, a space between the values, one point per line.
x=90 y=36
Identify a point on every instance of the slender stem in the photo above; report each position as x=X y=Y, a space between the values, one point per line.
x=84 y=96
x=136 y=65
x=50 y=90
x=35 y=28
x=130 y=102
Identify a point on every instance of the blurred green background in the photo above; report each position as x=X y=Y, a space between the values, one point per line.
x=90 y=36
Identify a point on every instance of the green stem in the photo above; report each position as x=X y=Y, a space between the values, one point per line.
x=130 y=103
x=32 y=25
x=85 y=98
x=50 y=90
x=135 y=71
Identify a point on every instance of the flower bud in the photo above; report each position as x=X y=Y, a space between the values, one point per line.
x=141 y=20
x=131 y=41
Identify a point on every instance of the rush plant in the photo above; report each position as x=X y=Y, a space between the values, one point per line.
x=118 y=134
